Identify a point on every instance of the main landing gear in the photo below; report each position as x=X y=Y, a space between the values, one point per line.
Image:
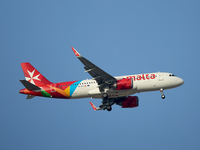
x=105 y=98
x=109 y=108
x=162 y=94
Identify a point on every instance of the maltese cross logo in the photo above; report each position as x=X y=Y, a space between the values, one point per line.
x=31 y=78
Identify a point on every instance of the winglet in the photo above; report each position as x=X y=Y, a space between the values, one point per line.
x=75 y=52
x=93 y=106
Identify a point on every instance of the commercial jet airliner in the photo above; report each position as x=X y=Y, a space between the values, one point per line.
x=112 y=90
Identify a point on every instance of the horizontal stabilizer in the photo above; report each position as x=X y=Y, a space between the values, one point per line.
x=30 y=86
x=30 y=96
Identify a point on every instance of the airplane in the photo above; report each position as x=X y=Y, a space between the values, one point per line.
x=112 y=90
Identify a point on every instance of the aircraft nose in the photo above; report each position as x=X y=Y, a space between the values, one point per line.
x=181 y=81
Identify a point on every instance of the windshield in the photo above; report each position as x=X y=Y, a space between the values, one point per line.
x=171 y=75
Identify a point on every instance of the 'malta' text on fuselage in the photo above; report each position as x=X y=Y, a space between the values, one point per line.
x=142 y=77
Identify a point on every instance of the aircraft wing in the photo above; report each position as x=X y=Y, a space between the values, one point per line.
x=98 y=74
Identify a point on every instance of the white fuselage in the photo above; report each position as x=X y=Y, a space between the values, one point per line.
x=141 y=83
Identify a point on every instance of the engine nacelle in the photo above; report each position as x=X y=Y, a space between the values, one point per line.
x=124 y=84
x=129 y=102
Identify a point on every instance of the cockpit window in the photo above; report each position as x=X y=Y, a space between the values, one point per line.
x=171 y=75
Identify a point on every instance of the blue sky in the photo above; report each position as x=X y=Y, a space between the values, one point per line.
x=122 y=38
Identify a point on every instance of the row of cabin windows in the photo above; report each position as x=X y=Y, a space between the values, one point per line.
x=77 y=84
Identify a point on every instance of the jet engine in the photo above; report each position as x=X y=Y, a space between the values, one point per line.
x=124 y=84
x=129 y=102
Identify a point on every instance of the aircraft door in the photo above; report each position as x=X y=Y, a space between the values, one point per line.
x=160 y=76
x=52 y=87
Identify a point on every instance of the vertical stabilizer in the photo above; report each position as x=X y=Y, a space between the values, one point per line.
x=33 y=75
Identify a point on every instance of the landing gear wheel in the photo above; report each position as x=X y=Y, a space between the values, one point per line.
x=163 y=96
x=162 y=93
x=105 y=96
x=109 y=108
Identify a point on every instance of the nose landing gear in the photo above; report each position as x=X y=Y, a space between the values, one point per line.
x=162 y=94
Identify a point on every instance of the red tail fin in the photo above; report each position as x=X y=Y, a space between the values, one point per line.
x=33 y=76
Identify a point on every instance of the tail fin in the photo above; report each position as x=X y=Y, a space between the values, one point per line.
x=33 y=76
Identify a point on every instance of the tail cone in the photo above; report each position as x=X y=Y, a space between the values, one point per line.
x=22 y=91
